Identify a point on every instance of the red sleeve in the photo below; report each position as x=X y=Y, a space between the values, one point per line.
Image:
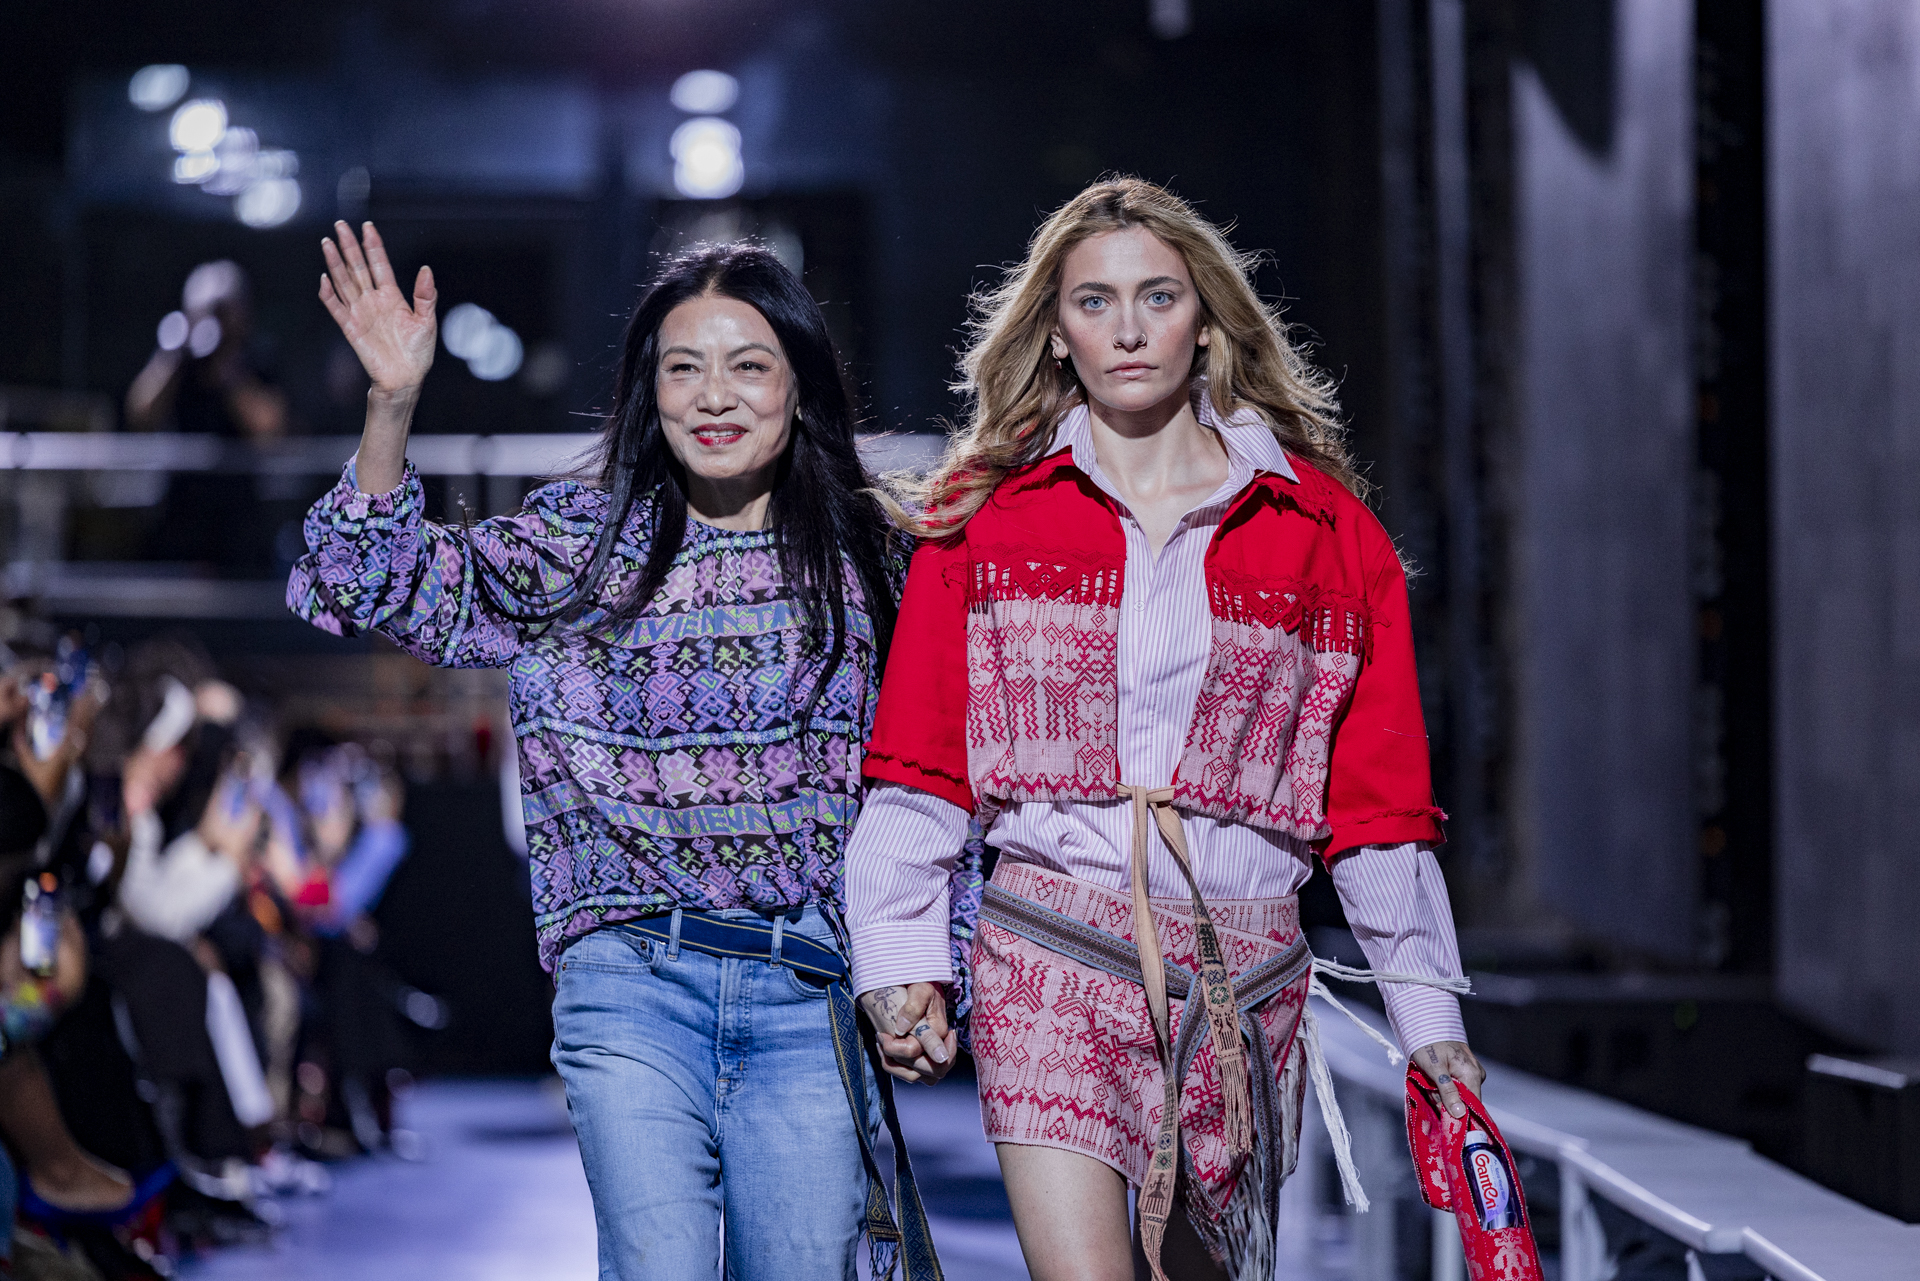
x=1380 y=790
x=920 y=730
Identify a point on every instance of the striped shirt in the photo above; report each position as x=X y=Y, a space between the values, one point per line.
x=904 y=845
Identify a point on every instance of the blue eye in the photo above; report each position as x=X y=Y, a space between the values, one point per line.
x=1160 y=298
x=1093 y=302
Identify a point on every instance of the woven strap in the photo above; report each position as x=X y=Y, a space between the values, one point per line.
x=1093 y=946
x=1153 y=807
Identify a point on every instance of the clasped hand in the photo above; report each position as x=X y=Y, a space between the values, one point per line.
x=910 y=1026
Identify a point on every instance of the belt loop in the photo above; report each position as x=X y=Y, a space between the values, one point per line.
x=779 y=932
x=673 y=937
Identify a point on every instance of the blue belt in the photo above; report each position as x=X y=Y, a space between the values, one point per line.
x=900 y=1238
x=752 y=940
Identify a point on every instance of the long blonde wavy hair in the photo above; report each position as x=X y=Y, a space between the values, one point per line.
x=1016 y=393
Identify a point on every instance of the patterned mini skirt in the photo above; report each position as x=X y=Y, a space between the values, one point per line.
x=1064 y=1046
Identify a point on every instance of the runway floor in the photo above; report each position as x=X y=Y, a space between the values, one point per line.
x=500 y=1195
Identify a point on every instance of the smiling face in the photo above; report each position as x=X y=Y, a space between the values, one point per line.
x=727 y=397
x=1129 y=318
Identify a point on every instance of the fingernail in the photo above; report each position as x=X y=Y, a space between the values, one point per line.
x=939 y=1052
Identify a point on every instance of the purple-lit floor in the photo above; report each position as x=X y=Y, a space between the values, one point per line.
x=501 y=1195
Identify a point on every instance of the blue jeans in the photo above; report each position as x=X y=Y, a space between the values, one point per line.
x=702 y=1086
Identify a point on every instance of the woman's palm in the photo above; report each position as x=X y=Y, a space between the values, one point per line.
x=393 y=339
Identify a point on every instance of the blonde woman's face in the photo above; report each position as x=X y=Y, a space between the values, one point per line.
x=1129 y=319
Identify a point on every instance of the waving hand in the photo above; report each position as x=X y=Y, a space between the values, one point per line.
x=393 y=340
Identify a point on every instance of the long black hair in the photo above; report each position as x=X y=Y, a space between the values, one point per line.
x=822 y=506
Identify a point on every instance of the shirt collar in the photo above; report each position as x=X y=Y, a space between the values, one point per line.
x=1251 y=445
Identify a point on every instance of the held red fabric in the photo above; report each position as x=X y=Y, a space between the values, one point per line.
x=1464 y=1166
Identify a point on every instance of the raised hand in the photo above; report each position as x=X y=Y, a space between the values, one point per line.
x=393 y=339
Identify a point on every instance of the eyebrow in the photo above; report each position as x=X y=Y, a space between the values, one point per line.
x=752 y=346
x=1102 y=286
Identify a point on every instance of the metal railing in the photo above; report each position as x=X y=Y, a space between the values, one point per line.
x=1722 y=1210
x=45 y=475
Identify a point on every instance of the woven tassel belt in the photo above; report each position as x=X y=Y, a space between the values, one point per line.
x=1119 y=957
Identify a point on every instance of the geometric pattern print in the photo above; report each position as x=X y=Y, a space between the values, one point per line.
x=1043 y=690
x=661 y=762
x=1260 y=746
x=1065 y=1052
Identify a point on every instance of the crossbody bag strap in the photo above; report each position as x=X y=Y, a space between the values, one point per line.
x=905 y=1238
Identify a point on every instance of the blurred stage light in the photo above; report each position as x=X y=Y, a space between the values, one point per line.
x=704 y=93
x=499 y=355
x=275 y=162
x=198 y=125
x=268 y=202
x=235 y=151
x=492 y=351
x=204 y=337
x=463 y=328
x=706 y=159
x=1170 y=19
x=195 y=166
x=157 y=87
x=173 y=331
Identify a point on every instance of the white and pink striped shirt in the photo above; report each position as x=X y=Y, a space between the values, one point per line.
x=903 y=848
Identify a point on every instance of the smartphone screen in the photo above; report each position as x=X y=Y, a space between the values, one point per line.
x=40 y=924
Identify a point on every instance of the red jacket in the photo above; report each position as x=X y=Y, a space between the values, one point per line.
x=1002 y=684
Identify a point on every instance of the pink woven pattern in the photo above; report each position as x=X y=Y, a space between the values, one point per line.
x=1065 y=1052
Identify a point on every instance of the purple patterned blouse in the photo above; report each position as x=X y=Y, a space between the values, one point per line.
x=661 y=761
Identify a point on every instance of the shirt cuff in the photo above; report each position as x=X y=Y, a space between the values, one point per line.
x=900 y=953
x=1422 y=1015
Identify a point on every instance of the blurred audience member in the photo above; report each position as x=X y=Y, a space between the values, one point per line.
x=206 y=377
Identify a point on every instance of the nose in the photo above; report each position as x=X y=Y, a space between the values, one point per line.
x=1129 y=330
x=716 y=391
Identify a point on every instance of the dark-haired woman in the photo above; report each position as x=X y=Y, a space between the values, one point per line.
x=695 y=633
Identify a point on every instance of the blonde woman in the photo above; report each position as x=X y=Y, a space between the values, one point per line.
x=1155 y=640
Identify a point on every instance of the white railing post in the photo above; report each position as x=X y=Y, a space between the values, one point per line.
x=1583 y=1245
x=1449 y=1255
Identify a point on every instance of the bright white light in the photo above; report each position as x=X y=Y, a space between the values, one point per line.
x=465 y=327
x=204 y=337
x=706 y=159
x=704 y=93
x=173 y=331
x=235 y=151
x=268 y=203
x=195 y=166
x=499 y=355
x=198 y=125
x=492 y=351
x=157 y=87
